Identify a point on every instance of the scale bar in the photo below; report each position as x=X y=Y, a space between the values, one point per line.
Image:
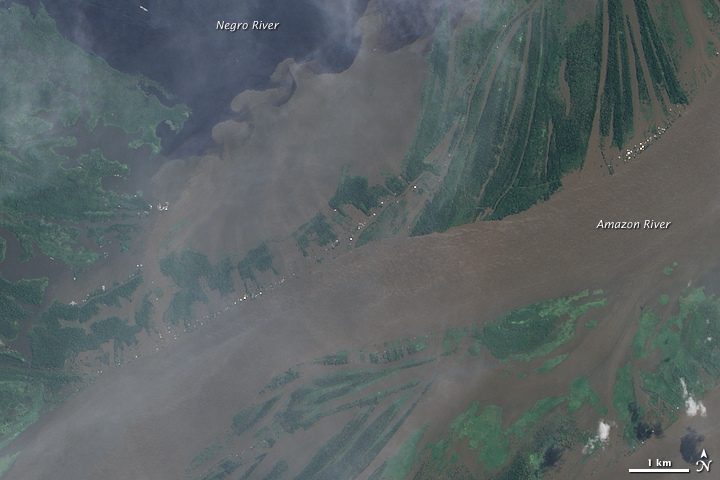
x=659 y=470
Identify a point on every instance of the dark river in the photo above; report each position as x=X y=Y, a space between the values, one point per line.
x=176 y=43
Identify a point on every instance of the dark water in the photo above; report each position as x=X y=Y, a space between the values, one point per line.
x=176 y=43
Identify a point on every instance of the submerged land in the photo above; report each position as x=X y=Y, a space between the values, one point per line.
x=318 y=296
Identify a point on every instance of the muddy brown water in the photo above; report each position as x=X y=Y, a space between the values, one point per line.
x=149 y=418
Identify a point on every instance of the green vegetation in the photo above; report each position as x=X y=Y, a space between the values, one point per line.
x=317 y=230
x=262 y=434
x=248 y=472
x=27 y=291
x=643 y=94
x=538 y=437
x=123 y=234
x=394 y=183
x=249 y=416
x=616 y=101
x=278 y=471
x=550 y=363
x=681 y=23
x=542 y=450
x=349 y=452
x=499 y=128
x=660 y=67
x=49 y=198
x=687 y=344
x=49 y=83
x=623 y=392
x=711 y=11
x=208 y=453
x=52 y=343
x=633 y=414
x=468 y=175
x=339 y=358
x=502 y=161
x=451 y=340
x=54 y=240
x=581 y=392
x=259 y=259
x=590 y=324
x=346 y=453
x=264 y=438
x=389 y=222
x=648 y=319
x=143 y=316
x=354 y=190
x=334 y=446
x=710 y=49
x=375 y=404
x=46 y=73
x=482 y=428
x=399 y=465
x=279 y=381
x=416 y=345
x=530 y=417
x=176 y=226
x=684 y=348
x=186 y=270
x=372 y=402
x=393 y=352
x=304 y=405
x=24 y=392
x=663 y=300
x=74 y=195
x=222 y=469
x=436 y=118
x=536 y=329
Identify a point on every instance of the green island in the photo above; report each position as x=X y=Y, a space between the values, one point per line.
x=354 y=190
x=50 y=84
x=317 y=230
x=512 y=98
x=53 y=201
x=526 y=447
x=508 y=109
x=258 y=259
x=53 y=341
x=537 y=329
x=61 y=332
x=375 y=397
x=186 y=270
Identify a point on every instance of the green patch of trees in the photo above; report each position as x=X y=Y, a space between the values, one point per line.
x=317 y=230
x=658 y=61
x=249 y=416
x=186 y=270
x=258 y=259
x=354 y=190
x=28 y=291
x=51 y=342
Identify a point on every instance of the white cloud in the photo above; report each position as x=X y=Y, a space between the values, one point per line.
x=601 y=437
x=692 y=407
x=603 y=431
